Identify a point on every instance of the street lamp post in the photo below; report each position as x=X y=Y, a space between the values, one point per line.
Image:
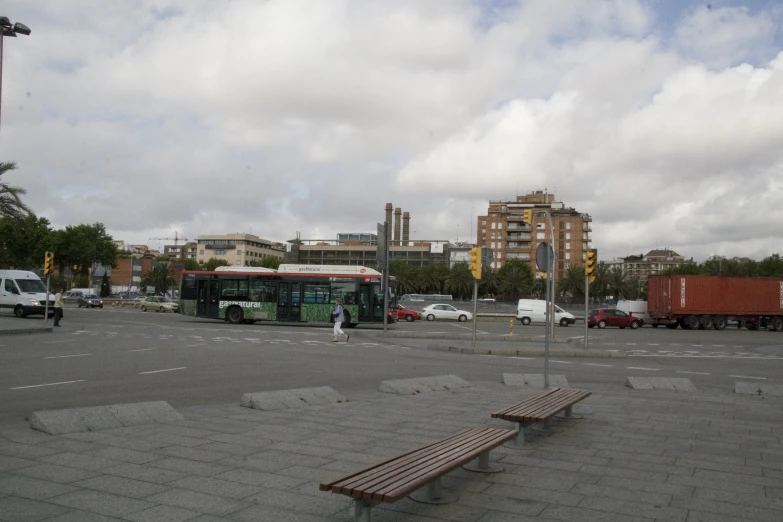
x=7 y=29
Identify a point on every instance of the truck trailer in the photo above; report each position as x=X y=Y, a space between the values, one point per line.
x=701 y=302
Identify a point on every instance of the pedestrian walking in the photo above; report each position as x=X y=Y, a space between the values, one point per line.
x=58 y=307
x=338 y=316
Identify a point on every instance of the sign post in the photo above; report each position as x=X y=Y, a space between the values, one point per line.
x=48 y=268
x=587 y=301
x=383 y=264
x=544 y=261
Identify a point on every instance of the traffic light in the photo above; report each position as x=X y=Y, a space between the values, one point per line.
x=48 y=263
x=527 y=216
x=474 y=260
x=591 y=259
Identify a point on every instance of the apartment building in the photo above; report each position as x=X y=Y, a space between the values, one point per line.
x=653 y=262
x=504 y=230
x=236 y=249
x=364 y=251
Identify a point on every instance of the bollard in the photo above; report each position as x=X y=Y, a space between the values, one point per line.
x=511 y=328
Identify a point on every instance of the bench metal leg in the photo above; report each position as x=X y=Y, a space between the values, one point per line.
x=544 y=429
x=433 y=493
x=361 y=510
x=483 y=465
x=519 y=440
x=569 y=414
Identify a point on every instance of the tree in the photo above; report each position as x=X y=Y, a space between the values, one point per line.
x=213 y=262
x=459 y=282
x=599 y=289
x=687 y=268
x=406 y=275
x=161 y=277
x=11 y=205
x=573 y=281
x=431 y=279
x=771 y=266
x=620 y=286
x=516 y=278
x=490 y=281
x=24 y=241
x=271 y=262
x=191 y=264
x=82 y=246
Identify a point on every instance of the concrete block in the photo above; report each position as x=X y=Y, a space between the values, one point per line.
x=79 y=420
x=296 y=398
x=755 y=388
x=534 y=380
x=423 y=385
x=660 y=383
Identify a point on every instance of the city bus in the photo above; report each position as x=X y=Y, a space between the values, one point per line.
x=292 y=293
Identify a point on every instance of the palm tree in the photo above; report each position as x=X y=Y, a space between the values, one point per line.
x=10 y=202
x=620 y=285
x=406 y=275
x=516 y=278
x=573 y=281
x=490 y=281
x=431 y=278
x=161 y=277
x=599 y=289
x=459 y=282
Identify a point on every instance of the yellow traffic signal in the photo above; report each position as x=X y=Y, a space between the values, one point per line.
x=527 y=215
x=48 y=263
x=474 y=260
x=591 y=259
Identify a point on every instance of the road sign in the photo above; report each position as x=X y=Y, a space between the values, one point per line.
x=486 y=257
x=544 y=254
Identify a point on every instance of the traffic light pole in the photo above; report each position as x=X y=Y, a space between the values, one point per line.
x=46 y=306
x=587 y=305
x=548 y=319
x=475 y=298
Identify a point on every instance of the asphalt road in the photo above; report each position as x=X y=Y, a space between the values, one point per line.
x=108 y=356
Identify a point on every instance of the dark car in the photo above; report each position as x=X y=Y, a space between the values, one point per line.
x=603 y=317
x=406 y=314
x=90 y=301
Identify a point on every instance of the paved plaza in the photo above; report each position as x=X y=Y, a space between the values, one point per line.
x=700 y=456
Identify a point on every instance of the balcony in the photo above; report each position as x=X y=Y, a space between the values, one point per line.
x=517 y=236
x=518 y=226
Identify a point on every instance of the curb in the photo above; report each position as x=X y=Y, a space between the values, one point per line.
x=538 y=352
x=10 y=331
x=468 y=337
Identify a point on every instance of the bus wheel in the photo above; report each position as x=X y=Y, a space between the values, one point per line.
x=234 y=315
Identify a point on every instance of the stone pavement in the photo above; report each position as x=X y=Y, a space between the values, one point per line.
x=705 y=456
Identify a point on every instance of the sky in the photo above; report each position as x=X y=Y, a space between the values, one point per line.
x=662 y=119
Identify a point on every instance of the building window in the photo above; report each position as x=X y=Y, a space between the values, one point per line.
x=568 y=246
x=540 y=226
x=539 y=235
x=493 y=226
x=568 y=235
x=492 y=245
x=568 y=226
x=201 y=252
x=500 y=226
x=483 y=221
x=568 y=255
x=239 y=252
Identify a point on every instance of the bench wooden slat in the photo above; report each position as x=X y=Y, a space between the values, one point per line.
x=392 y=464
x=441 y=466
x=395 y=478
x=541 y=407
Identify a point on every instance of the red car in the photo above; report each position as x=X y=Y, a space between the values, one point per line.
x=603 y=317
x=407 y=314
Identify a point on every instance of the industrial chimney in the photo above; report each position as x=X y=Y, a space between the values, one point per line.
x=397 y=216
x=389 y=208
x=406 y=226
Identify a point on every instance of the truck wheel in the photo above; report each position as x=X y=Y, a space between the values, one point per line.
x=525 y=321
x=692 y=322
x=777 y=324
x=234 y=315
x=719 y=322
x=706 y=322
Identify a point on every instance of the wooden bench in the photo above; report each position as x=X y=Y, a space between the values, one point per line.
x=401 y=476
x=541 y=408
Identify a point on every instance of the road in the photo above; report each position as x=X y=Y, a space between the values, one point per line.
x=110 y=356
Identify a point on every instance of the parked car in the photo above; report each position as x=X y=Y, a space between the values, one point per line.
x=603 y=317
x=445 y=311
x=159 y=304
x=90 y=301
x=406 y=314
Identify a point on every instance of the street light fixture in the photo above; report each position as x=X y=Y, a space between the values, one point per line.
x=7 y=29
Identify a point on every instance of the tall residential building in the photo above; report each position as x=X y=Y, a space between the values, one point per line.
x=653 y=262
x=504 y=231
x=237 y=249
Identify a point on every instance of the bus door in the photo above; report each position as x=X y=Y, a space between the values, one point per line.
x=365 y=298
x=289 y=301
x=208 y=298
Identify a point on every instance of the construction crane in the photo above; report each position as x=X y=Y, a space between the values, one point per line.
x=176 y=239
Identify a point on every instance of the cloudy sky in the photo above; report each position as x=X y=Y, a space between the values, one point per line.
x=662 y=119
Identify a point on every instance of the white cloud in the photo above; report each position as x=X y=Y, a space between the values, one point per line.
x=290 y=115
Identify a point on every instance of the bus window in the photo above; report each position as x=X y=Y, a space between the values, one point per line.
x=235 y=289
x=316 y=293
x=264 y=291
x=347 y=291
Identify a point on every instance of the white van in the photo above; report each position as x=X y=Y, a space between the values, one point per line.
x=636 y=309
x=534 y=311
x=23 y=293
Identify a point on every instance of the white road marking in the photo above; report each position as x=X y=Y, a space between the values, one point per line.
x=631 y=344
x=596 y=364
x=486 y=355
x=653 y=344
x=188 y=345
x=54 y=342
x=693 y=373
x=611 y=350
x=561 y=362
x=697 y=345
x=640 y=368
x=167 y=370
x=49 y=384
x=65 y=356
x=743 y=353
x=522 y=358
x=748 y=377
x=142 y=350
